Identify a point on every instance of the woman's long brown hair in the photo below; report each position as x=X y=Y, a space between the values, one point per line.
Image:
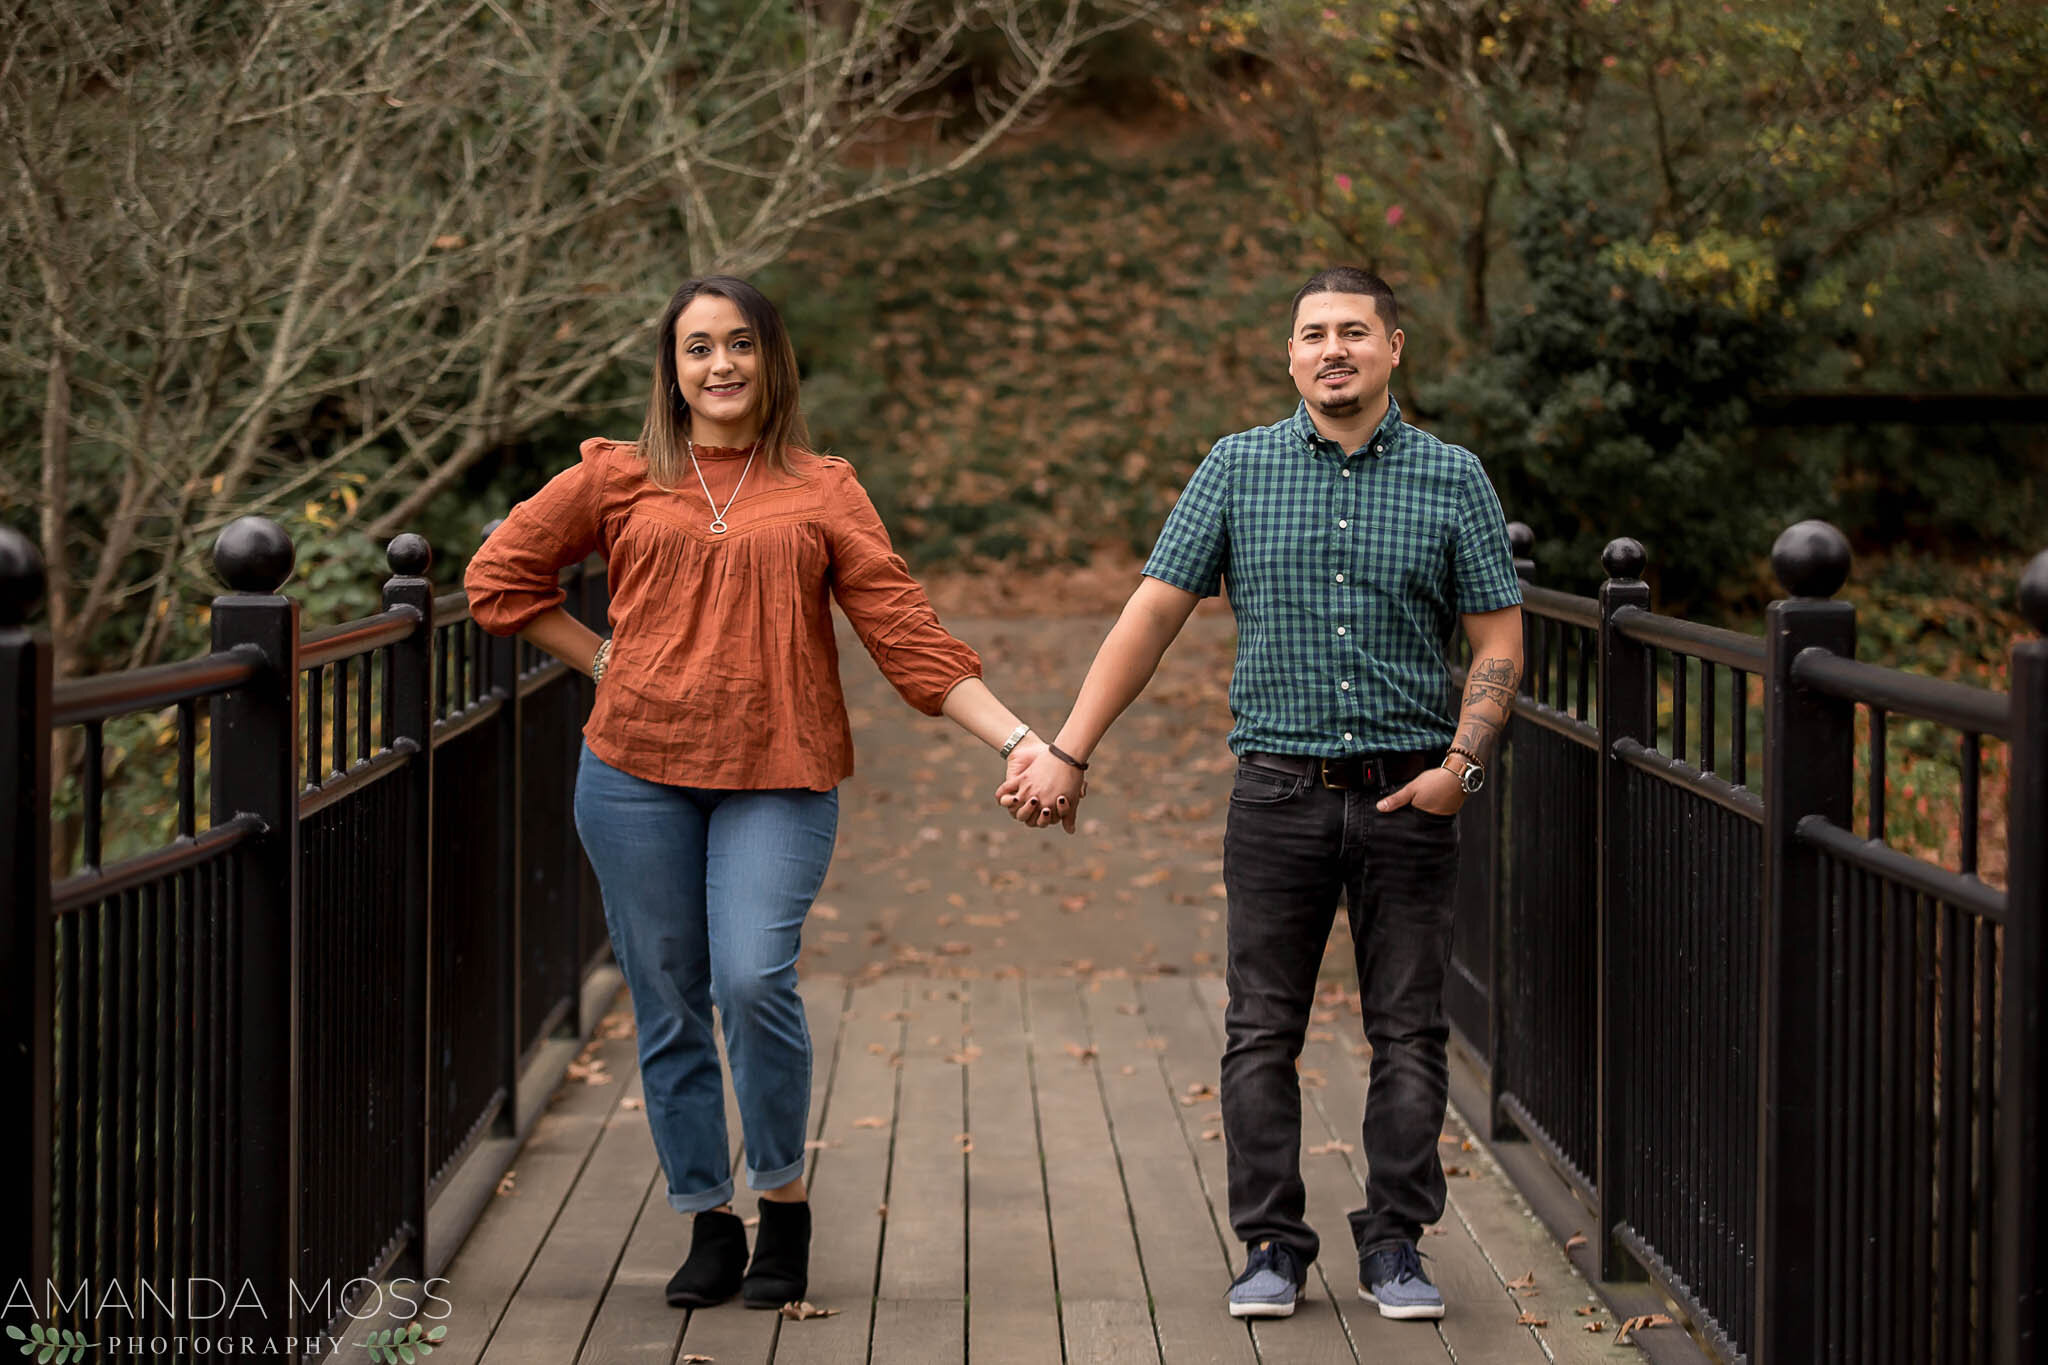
x=783 y=429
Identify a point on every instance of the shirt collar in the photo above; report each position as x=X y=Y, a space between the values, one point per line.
x=1375 y=444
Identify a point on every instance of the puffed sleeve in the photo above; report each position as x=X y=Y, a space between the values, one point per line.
x=888 y=609
x=514 y=576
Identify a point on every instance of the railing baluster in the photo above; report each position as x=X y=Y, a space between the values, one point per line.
x=1738 y=689
x=315 y=770
x=1972 y=749
x=341 y=677
x=1873 y=773
x=188 y=796
x=92 y=794
x=1706 y=764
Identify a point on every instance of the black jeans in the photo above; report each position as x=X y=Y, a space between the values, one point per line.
x=1291 y=846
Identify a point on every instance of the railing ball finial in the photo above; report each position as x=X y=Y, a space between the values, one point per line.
x=1811 y=559
x=1624 y=558
x=2034 y=592
x=254 y=555
x=1521 y=539
x=409 y=555
x=21 y=577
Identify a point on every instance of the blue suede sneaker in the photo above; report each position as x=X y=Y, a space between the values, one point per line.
x=1270 y=1285
x=1392 y=1277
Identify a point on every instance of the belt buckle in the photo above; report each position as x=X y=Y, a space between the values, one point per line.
x=1323 y=771
x=1323 y=768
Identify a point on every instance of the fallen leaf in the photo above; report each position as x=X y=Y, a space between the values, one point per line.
x=1127 y=1071
x=694 y=1359
x=505 y=1182
x=1585 y=1312
x=1527 y=1280
x=871 y=1121
x=1596 y=1326
x=1451 y=1172
x=1531 y=1320
x=1575 y=1241
x=898 y=1016
x=820 y=1144
x=797 y=1312
x=1079 y=1053
x=1211 y=1135
x=964 y=1056
x=1074 y=905
x=632 y=1102
x=824 y=911
x=1639 y=1322
x=1331 y=1148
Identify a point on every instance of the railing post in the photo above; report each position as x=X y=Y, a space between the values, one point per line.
x=502 y=655
x=1627 y=700
x=411 y=690
x=1809 y=743
x=255 y=772
x=2020 y=1302
x=26 y=932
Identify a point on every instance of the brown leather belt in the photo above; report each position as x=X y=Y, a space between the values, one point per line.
x=1360 y=772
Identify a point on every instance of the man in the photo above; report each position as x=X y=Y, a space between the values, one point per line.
x=1353 y=544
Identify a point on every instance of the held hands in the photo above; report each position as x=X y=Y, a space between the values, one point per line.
x=1039 y=789
x=1437 y=791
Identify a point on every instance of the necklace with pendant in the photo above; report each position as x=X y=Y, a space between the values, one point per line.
x=718 y=513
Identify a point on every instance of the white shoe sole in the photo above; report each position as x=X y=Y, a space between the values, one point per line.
x=1417 y=1313
x=1262 y=1310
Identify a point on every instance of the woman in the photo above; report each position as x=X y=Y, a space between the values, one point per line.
x=706 y=794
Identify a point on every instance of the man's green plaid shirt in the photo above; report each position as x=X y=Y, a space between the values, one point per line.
x=1347 y=575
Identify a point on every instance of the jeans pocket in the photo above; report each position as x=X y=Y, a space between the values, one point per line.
x=1264 y=786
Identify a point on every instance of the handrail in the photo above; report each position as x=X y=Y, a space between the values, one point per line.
x=1961 y=890
x=1561 y=606
x=451 y=607
x=1970 y=709
x=318 y=648
x=1714 y=644
x=96 y=884
x=79 y=701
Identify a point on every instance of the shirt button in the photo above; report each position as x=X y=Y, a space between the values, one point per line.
x=1342 y=524
x=1347 y=473
x=1340 y=630
x=1347 y=734
x=1345 y=686
x=1340 y=578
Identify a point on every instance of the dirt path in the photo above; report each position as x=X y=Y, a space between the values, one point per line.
x=932 y=877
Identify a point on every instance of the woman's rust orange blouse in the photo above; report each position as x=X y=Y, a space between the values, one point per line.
x=723 y=671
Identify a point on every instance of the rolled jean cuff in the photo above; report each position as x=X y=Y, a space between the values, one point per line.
x=776 y=1179
x=705 y=1199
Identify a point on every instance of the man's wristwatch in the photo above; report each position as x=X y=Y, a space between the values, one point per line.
x=1471 y=776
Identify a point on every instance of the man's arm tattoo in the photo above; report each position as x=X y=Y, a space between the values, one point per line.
x=1489 y=700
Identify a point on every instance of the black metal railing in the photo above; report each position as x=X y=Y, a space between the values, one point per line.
x=1793 y=1070
x=259 y=1051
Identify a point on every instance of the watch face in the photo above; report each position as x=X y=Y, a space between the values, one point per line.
x=1472 y=779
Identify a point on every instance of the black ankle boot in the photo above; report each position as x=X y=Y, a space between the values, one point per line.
x=781 y=1270
x=717 y=1260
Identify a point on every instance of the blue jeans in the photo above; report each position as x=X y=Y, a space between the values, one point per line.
x=705 y=894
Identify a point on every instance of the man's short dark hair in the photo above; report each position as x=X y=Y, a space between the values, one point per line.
x=1349 y=279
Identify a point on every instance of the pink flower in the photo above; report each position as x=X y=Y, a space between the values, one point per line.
x=1395 y=214
x=1344 y=183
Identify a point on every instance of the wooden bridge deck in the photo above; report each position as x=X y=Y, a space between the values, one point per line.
x=1026 y=1171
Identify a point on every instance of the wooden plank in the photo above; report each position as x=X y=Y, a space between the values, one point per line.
x=1320 y=1332
x=1478 y=1327
x=917 y=1331
x=1103 y=1295
x=1188 y=1261
x=849 y=1182
x=1515 y=1243
x=1013 y=1309
x=563 y=1289
x=922 y=1285
x=495 y=1260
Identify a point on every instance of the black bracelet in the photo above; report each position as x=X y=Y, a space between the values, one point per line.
x=1065 y=757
